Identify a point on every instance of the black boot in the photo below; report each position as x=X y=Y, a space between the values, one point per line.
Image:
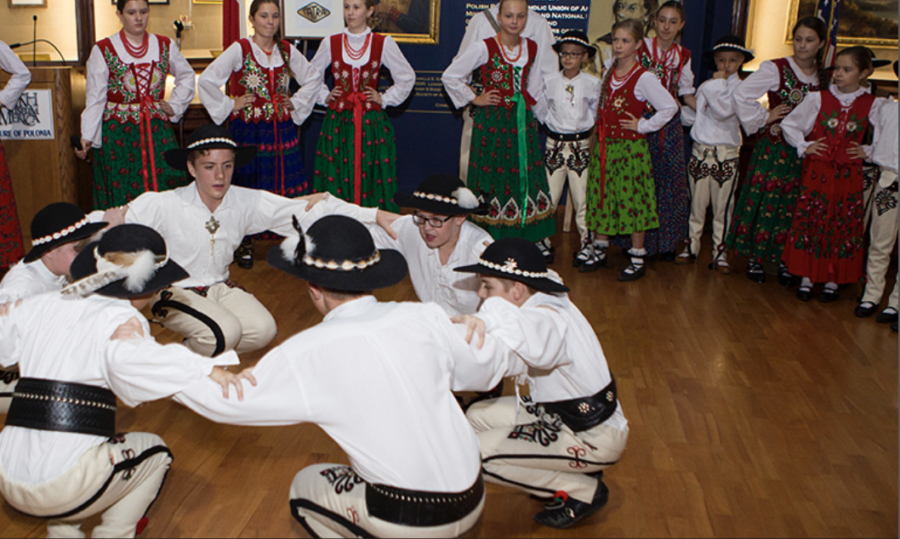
x=565 y=512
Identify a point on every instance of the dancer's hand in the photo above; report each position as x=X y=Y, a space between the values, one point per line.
x=85 y=146
x=115 y=216
x=631 y=123
x=167 y=108
x=130 y=330
x=241 y=102
x=313 y=199
x=816 y=148
x=778 y=113
x=334 y=94
x=373 y=96
x=385 y=219
x=487 y=99
x=5 y=307
x=287 y=103
x=225 y=378
x=856 y=151
x=474 y=325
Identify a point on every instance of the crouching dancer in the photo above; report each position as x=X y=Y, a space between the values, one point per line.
x=377 y=377
x=60 y=456
x=558 y=444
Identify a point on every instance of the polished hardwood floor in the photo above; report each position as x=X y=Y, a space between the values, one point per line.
x=751 y=413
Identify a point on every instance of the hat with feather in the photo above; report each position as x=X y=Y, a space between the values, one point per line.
x=517 y=259
x=129 y=261
x=443 y=194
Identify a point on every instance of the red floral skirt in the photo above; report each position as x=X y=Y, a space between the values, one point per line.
x=11 y=249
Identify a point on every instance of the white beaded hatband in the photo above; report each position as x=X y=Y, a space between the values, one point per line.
x=731 y=46
x=213 y=140
x=61 y=234
x=439 y=198
x=511 y=267
x=346 y=265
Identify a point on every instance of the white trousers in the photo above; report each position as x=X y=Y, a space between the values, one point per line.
x=537 y=453
x=569 y=161
x=120 y=479
x=882 y=237
x=226 y=318
x=465 y=142
x=329 y=500
x=712 y=173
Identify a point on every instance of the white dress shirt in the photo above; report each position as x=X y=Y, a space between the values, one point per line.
x=560 y=351
x=750 y=112
x=391 y=57
x=884 y=145
x=455 y=292
x=67 y=340
x=182 y=218
x=569 y=112
x=20 y=79
x=220 y=106
x=797 y=125
x=98 y=81
x=686 y=81
x=715 y=122
x=376 y=377
x=25 y=280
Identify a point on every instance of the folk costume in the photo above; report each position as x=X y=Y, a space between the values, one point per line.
x=825 y=242
x=506 y=165
x=356 y=153
x=406 y=450
x=11 y=246
x=765 y=206
x=61 y=458
x=212 y=312
x=556 y=443
x=124 y=120
x=673 y=206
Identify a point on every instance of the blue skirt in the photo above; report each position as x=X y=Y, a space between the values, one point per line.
x=278 y=167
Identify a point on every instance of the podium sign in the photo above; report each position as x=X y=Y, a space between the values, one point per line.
x=31 y=119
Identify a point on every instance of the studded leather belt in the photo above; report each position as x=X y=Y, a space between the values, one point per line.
x=570 y=137
x=63 y=406
x=586 y=412
x=421 y=508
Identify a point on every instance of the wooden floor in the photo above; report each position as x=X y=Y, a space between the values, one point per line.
x=751 y=414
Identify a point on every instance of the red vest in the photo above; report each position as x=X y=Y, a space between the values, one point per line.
x=617 y=104
x=130 y=84
x=791 y=92
x=668 y=78
x=841 y=126
x=497 y=74
x=355 y=79
x=263 y=83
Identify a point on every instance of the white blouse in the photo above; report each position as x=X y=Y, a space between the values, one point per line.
x=220 y=106
x=20 y=79
x=98 y=81
x=797 y=125
x=767 y=78
x=715 y=122
x=391 y=57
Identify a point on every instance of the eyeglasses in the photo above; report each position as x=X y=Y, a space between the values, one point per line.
x=434 y=222
x=571 y=54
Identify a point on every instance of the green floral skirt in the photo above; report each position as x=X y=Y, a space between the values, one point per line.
x=624 y=200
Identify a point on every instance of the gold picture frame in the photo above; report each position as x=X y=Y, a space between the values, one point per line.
x=861 y=23
x=27 y=3
x=407 y=20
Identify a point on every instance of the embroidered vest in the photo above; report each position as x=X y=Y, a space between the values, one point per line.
x=840 y=126
x=353 y=80
x=130 y=85
x=617 y=104
x=669 y=78
x=506 y=78
x=263 y=83
x=790 y=92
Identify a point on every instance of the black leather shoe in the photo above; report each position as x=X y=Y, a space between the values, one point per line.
x=865 y=309
x=887 y=316
x=786 y=278
x=804 y=293
x=244 y=254
x=565 y=513
x=632 y=273
x=894 y=327
x=828 y=295
x=755 y=273
x=582 y=256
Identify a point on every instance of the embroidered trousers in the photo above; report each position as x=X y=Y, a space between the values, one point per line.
x=329 y=500
x=226 y=318
x=712 y=172
x=882 y=237
x=534 y=451
x=120 y=479
x=569 y=161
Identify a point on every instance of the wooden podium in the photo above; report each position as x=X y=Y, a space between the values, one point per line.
x=43 y=171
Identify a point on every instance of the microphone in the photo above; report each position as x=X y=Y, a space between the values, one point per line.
x=34 y=42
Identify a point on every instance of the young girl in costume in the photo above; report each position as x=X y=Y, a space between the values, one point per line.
x=764 y=211
x=356 y=153
x=671 y=63
x=506 y=164
x=825 y=243
x=125 y=119
x=261 y=111
x=11 y=249
x=620 y=193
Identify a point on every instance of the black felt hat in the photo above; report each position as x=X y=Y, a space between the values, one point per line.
x=129 y=261
x=57 y=224
x=728 y=43
x=578 y=38
x=210 y=137
x=443 y=194
x=517 y=259
x=337 y=252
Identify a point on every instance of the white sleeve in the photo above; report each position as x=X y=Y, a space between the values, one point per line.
x=547 y=60
x=276 y=213
x=216 y=75
x=20 y=79
x=456 y=75
x=10 y=338
x=403 y=74
x=310 y=85
x=686 y=81
x=384 y=241
x=540 y=109
x=477 y=30
x=718 y=99
x=648 y=88
x=185 y=80
x=536 y=87
x=751 y=114
x=18 y=285
x=95 y=98
x=797 y=125
x=144 y=210
x=536 y=334
x=321 y=62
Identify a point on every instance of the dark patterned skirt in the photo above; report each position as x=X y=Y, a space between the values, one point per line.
x=278 y=166
x=11 y=249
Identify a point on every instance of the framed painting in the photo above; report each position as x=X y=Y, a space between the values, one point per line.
x=408 y=21
x=27 y=3
x=872 y=23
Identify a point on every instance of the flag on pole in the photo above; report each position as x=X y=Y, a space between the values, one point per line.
x=828 y=11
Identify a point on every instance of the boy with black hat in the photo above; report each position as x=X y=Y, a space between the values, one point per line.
x=569 y=111
x=377 y=377
x=61 y=458
x=713 y=167
x=203 y=223
x=557 y=443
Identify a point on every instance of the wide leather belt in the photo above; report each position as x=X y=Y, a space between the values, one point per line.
x=570 y=137
x=422 y=508
x=586 y=412
x=63 y=406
